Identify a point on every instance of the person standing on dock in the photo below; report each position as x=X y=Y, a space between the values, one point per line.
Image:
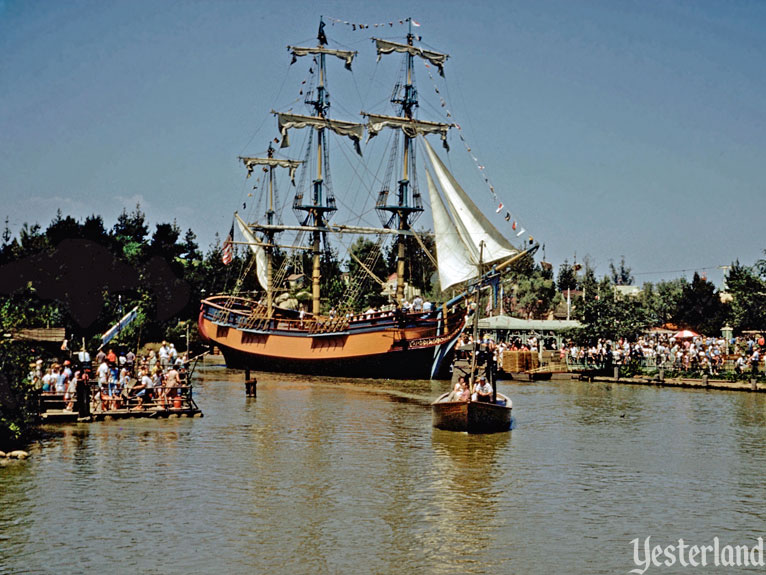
x=170 y=384
x=164 y=355
x=71 y=391
x=102 y=372
x=130 y=360
x=754 y=359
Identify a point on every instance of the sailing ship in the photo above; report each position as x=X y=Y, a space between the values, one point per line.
x=399 y=342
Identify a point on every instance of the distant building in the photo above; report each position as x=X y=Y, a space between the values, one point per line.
x=504 y=327
x=296 y=281
x=627 y=291
x=389 y=290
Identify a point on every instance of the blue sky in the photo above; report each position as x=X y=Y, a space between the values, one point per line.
x=610 y=128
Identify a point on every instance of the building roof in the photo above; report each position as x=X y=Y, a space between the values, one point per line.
x=515 y=323
x=50 y=334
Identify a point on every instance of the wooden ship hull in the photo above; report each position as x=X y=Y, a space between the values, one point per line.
x=382 y=345
x=472 y=416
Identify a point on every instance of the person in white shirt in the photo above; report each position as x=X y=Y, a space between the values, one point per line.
x=483 y=391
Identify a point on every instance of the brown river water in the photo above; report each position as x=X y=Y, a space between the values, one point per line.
x=326 y=476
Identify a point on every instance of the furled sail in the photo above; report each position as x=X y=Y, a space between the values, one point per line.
x=411 y=128
x=296 y=121
x=346 y=55
x=436 y=58
x=250 y=164
x=456 y=263
x=261 y=259
x=472 y=224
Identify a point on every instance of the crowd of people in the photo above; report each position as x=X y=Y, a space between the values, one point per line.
x=710 y=355
x=115 y=380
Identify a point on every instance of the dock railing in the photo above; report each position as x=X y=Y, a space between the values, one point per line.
x=96 y=399
x=724 y=369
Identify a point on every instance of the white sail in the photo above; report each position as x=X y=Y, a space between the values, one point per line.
x=291 y=165
x=298 y=51
x=386 y=47
x=456 y=263
x=286 y=122
x=261 y=260
x=475 y=225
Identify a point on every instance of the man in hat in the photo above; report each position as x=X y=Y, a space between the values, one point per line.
x=483 y=390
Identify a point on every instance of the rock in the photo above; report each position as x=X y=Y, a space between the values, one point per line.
x=18 y=454
x=3 y=454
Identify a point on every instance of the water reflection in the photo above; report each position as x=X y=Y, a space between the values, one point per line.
x=320 y=475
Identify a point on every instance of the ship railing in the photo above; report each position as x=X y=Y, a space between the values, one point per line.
x=233 y=311
x=329 y=325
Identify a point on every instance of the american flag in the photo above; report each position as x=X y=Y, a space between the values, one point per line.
x=228 y=247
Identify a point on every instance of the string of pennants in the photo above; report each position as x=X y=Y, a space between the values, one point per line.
x=515 y=225
x=356 y=26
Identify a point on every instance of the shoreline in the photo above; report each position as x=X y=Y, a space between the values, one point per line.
x=655 y=381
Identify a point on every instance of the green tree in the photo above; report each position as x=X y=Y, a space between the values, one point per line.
x=700 y=307
x=17 y=407
x=621 y=276
x=129 y=232
x=748 y=298
x=604 y=316
x=536 y=295
x=62 y=228
x=567 y=277
x=419 y=269
x=661 y=301
x=190 y=248
x=93 y=229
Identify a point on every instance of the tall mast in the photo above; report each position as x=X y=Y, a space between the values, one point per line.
x=270 y=236
x=408 y=204
x=321 y=203
x=315 y=209
x=404 y=210
x=269 y=163
x=475 y=326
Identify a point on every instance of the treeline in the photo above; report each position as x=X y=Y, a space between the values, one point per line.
x=608 y=310
x=83 y=276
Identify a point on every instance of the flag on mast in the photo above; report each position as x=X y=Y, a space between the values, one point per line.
x=228 y=247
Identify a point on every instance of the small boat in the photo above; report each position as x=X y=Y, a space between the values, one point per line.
x=472 y=416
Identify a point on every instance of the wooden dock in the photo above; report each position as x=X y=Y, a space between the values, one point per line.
x=52 y=409
x=63 y=416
